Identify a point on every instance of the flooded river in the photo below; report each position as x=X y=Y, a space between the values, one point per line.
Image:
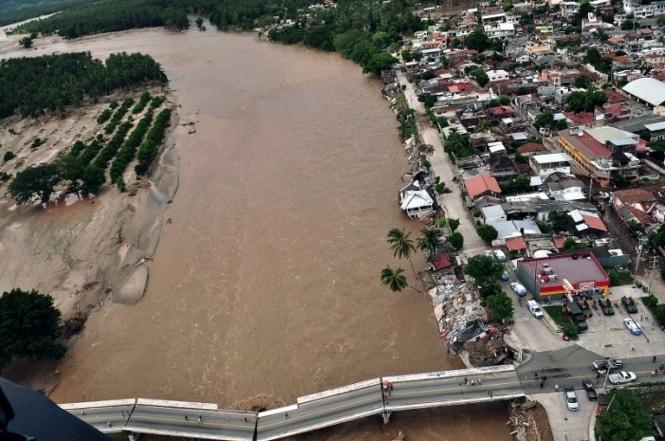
x=265 y=285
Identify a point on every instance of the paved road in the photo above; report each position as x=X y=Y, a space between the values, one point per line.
x=573 y=364
x=193 y=423
x=322 y=410
x=454 y=387
x=452 y=202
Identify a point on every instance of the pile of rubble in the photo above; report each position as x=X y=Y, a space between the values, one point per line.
x=522 y=421
x=457 y=309
x=488 y=349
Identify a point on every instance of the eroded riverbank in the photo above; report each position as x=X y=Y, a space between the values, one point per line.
x=266 y=282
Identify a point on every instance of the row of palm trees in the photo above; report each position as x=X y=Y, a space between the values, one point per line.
x=402 y=246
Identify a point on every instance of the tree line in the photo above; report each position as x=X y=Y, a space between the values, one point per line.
x=110 y=16
x=361 y=31
x=31 y=86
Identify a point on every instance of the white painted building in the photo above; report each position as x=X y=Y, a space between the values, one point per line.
x=545 y=165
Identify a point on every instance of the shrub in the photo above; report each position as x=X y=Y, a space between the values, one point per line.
x=569 y=329
x=8 y=156
x=487 y=232
x=456 y=240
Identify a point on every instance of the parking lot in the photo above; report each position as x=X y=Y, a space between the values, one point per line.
x=608 y=336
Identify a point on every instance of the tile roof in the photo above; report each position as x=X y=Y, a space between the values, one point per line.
x=594 y=222
x=515 y=243
x=480 y=184
x=586 y=145
x=441 y=261
x=634 y=195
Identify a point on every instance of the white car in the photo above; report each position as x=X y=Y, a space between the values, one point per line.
x=534 y=307
x=571 y=398
x=622 y=377
x=518 y=288
x=633 y=327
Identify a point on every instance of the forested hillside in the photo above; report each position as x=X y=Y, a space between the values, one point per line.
x=30 y=86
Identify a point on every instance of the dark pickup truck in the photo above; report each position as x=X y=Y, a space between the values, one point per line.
x=629 y=304
x=606 y=306
x=591 y=393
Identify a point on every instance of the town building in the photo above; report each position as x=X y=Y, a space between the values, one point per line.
x=553 y=276
x=545 y=165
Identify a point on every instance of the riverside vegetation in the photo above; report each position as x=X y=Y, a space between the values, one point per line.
x=53 y=82
x=361 y=31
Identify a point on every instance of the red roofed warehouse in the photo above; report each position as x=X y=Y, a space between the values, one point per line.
x=481 y=185
x=547 y=277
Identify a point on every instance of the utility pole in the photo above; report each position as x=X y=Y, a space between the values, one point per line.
x=653 y=259
x=640 y=245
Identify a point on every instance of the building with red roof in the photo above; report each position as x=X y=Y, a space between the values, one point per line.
x=581 y=119
x=481 y=185
x=548 y=277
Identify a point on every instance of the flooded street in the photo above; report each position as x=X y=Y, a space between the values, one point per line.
x=265 y=285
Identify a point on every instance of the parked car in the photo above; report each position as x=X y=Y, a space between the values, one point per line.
x=602 y=364
x=518 y=288
x=500 y=255
x=571 y=398
x=633 y=327
x=629 y=304
x=535 y=309
x=590 y=390
x=505 y=276
x=606 y=306
x=622 y=377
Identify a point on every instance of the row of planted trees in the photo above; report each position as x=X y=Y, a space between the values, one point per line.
x=83 y=168
x=485 y=269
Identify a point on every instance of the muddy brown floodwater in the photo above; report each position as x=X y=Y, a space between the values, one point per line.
x=266 y=281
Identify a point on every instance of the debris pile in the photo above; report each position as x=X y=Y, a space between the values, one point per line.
x=458 y=311
x=400 y=437
x=522 y=421
x=488 y=349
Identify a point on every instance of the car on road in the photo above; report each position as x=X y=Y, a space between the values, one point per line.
x=591 y=393
x=505 y=276
x=571 y=398
x=622 y=377
x=629 y=304
x=602 y=364
x=535 y=309
x=518 y=288
x=606 y=306
x=633 y=327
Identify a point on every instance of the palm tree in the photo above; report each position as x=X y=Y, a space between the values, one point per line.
x=402 y=245
x=429 y=240
x=393 y=279
x=482 y=126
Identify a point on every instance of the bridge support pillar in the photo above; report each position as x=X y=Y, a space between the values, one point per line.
x=386 y=417
x=133 y=436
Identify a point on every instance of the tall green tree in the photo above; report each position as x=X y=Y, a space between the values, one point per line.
x=487 y=232
x=29 y=326
x=402 y=246
x=484 y=269
x=625 y=420
x=500 y=306
x=39 y=180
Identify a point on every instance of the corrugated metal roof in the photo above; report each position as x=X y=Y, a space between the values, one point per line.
x=647 y=89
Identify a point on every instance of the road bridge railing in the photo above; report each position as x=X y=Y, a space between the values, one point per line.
x=438 y=389
x=323 y=409
x=378 y=396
